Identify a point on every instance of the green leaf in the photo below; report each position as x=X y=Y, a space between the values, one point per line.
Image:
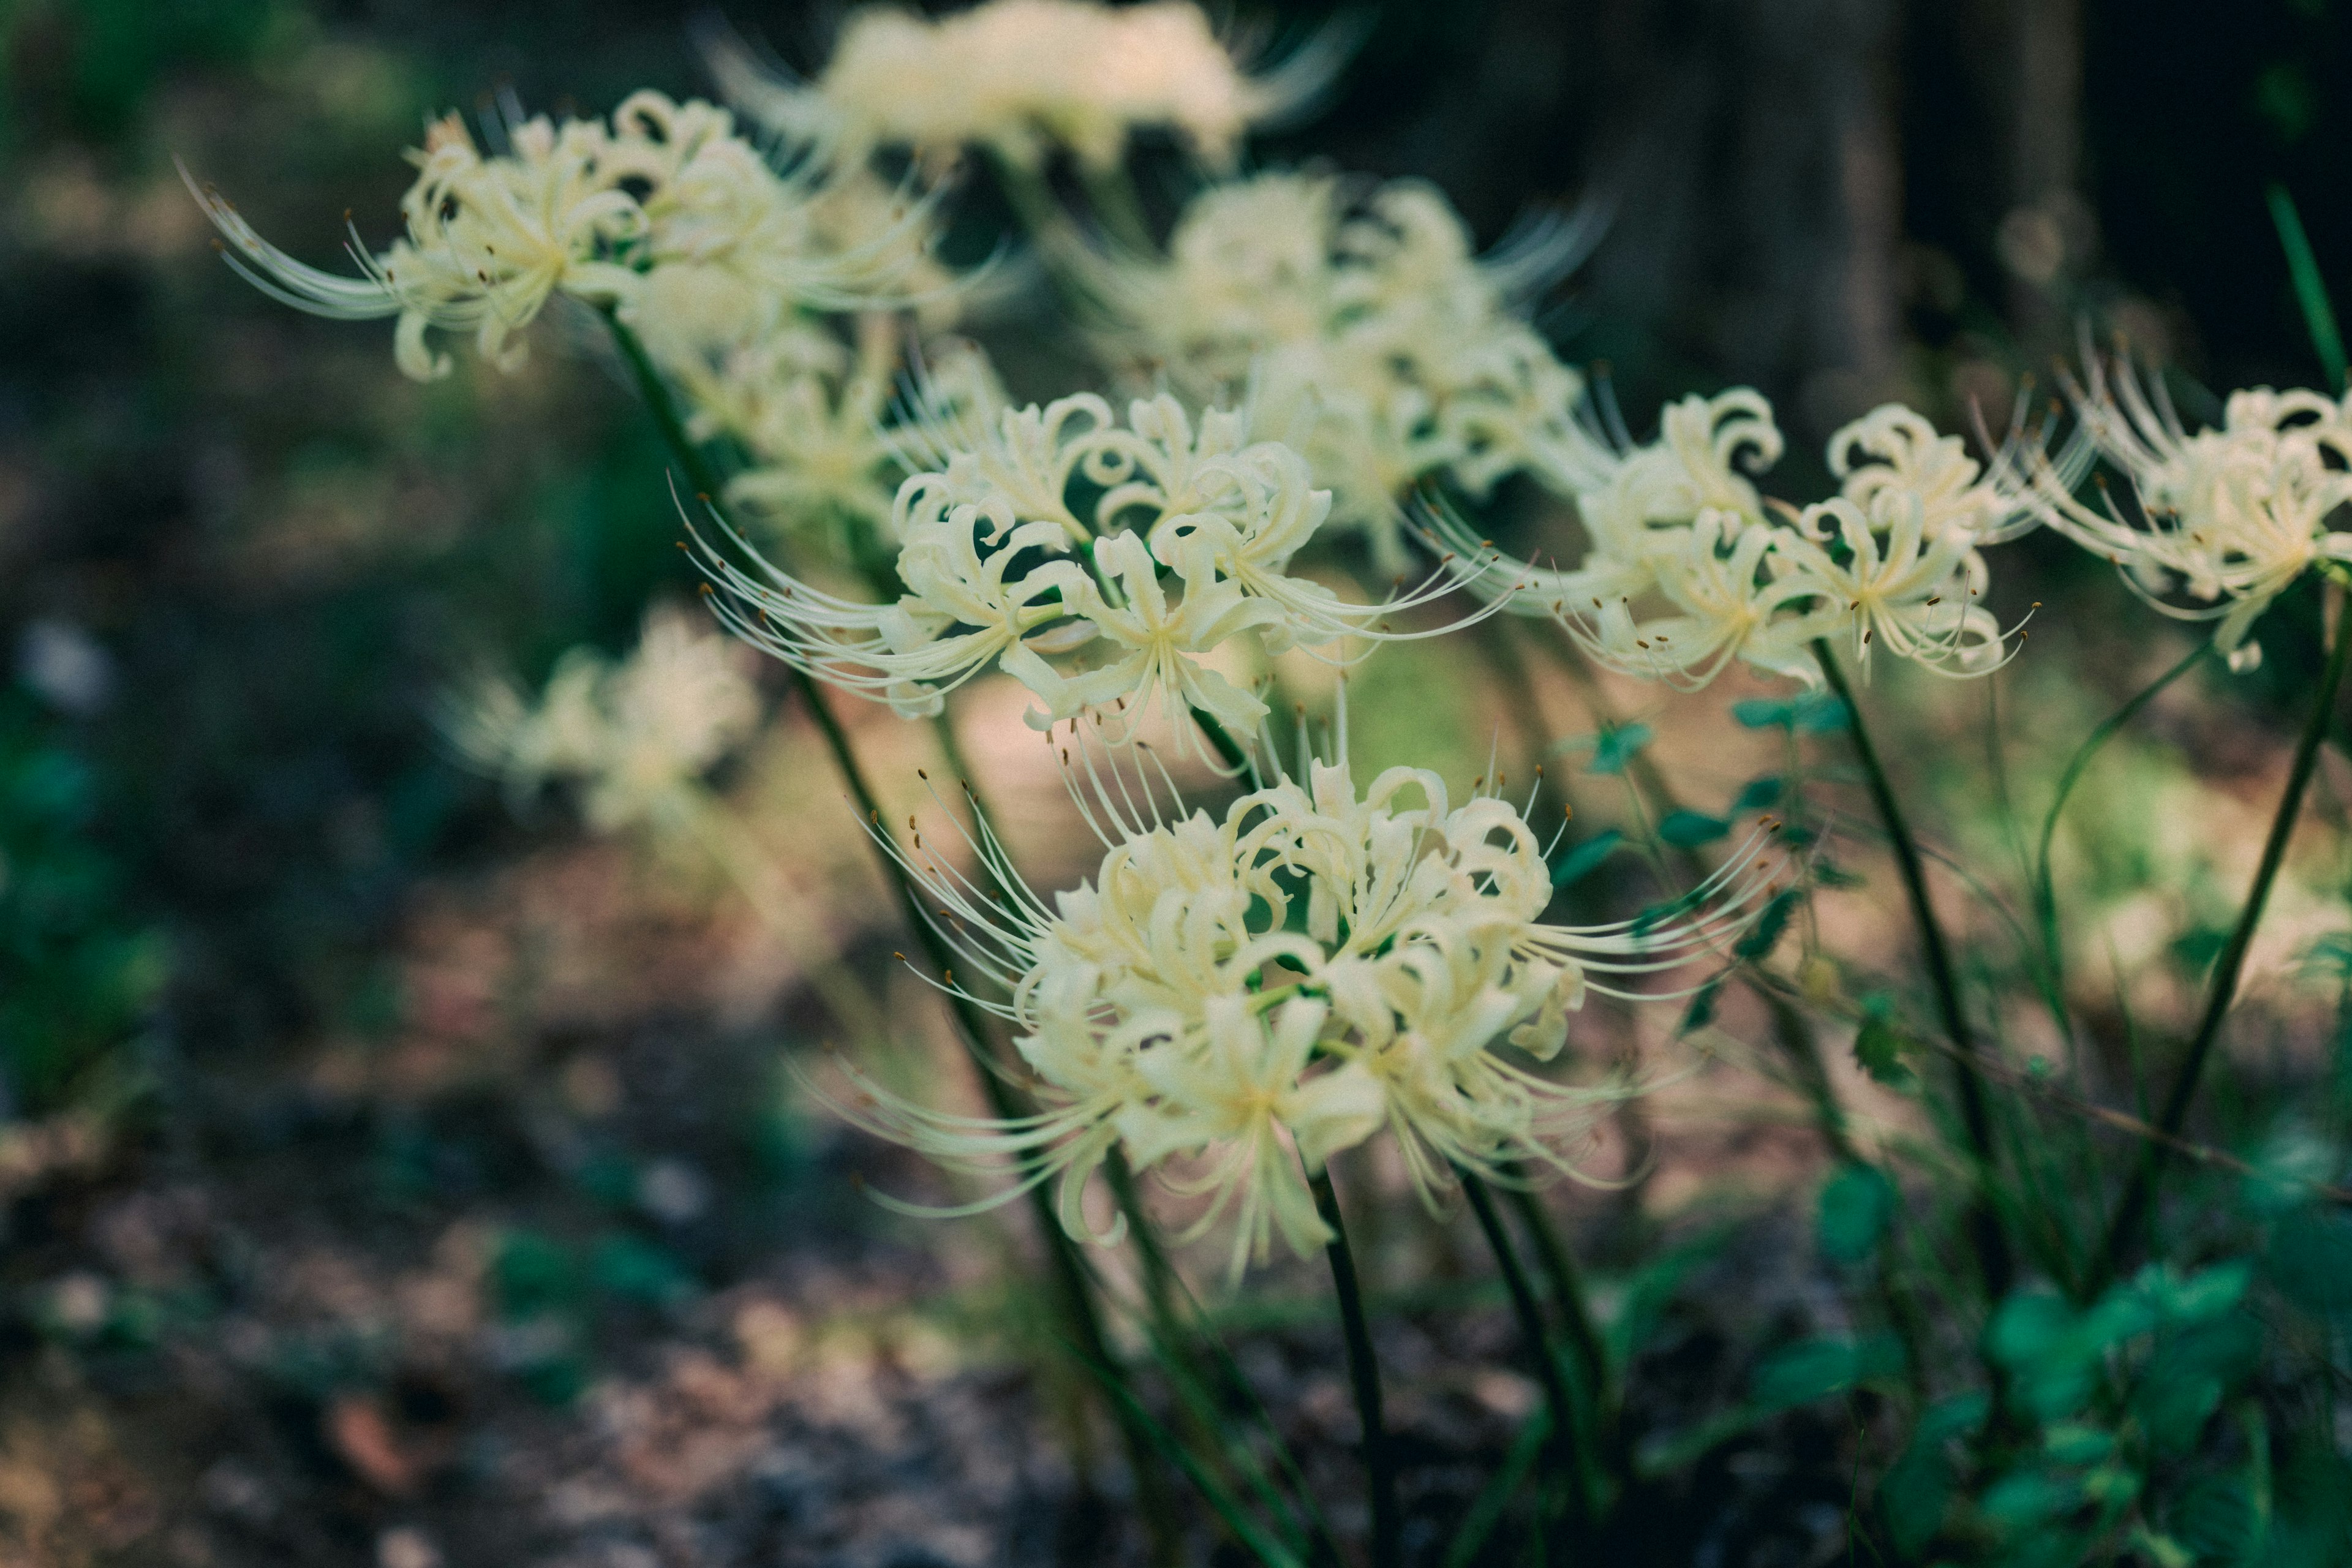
x=632 y=1269
x=533 y=1274
x=1487 y=1507
x=1702 y=1008
x=1650 y=1289
x=2029 y=1326
x=1819 y=713
x=2074 y=1443
x=1878 y=1048
x=1612 y=748
x=1913 y=1496
x=2210 y=1292
x=1949 y=1418
x=2310 y=1261
x=2031 y=1497
x=1759 y=794
x=1828 y=873
x=1762 y=713
x=2174 y=1409
x=1765 y=934
x=1689 y=829
x=1856 y=1204
x=1814 y=1369
x=1586 y=857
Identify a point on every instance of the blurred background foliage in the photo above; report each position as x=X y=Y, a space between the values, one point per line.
x=239 y=556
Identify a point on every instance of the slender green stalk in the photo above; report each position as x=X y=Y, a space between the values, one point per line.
x=2222 y=989
x=1069 y=1271
x=1364 y=1378
x=1160 y=1286
x=1568 y=1422
x=1990 y=1244
x=1571 y=1297
x=2310 y=287
x=2045 y=897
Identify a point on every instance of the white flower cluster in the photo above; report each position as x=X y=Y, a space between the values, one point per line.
x=666 y=215
x=1227 y=997
x=2223 y=518
x=633 y=735
x=1022 y=76
x=1369 y=336
x=1688 y=568
x=1095 y=561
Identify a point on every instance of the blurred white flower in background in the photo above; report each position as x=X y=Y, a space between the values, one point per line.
x=1366 y=333
x=1021 y=77
x=636 y=735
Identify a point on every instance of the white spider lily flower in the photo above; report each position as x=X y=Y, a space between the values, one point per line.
x=1095 y=561
x=1369 y=336
x=1893 y=458
x=635 y=735
x=586 y=211
x=1232 y=999
x=1022 y=76
x=2219 y=522
x=1722 y=602
x=1688 y=568
x=1917 y=595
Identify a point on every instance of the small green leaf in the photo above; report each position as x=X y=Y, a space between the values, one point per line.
x=1856 y=1204
x=1689 y=829
x=1914 y=1496
x=1878 y=1047
x=1814 y=1369
x=1586 y=857
x=1819 y=713
x=1701 y=1012
x=1759 y=794
x=2029 y=1326
x=1947 y=1418
x=631 y=1269
x=2031 y=1497
x=533 y=1274
x=1612 y=748
x=1765 y=934
x=2074 y=1443
x=2310 y=1261
x=2210 y=1292
x=1762 y=713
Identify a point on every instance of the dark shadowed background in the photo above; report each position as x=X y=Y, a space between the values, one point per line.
x=238 y=555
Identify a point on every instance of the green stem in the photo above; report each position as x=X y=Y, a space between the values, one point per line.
x=1990 y=1244
x=2045 y=897
x=1568 y=1426
x=2310 y=287
x=1159 y=1282
x=1364 y=1377
x=1569 y=1293
x=2223 y=988
x=1068 y=1269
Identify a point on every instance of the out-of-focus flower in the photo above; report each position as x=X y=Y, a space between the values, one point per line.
x=635 y=735
x=1094 y=560
x=1022 y=76
x=599 y=213
x=1369 y=335
x=1229 y=997
x=1688 y=568
x=2218 y=523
